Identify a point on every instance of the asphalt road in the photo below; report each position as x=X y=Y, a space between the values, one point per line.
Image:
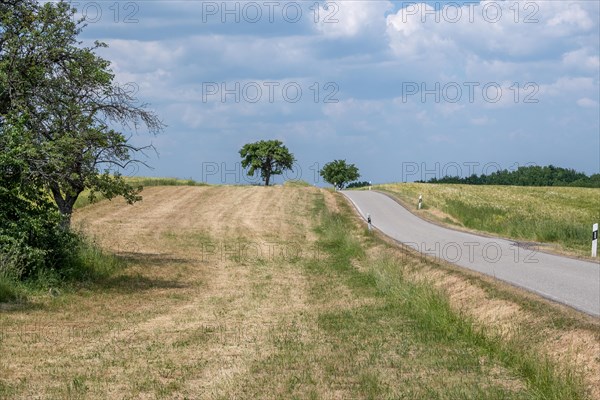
x=568 y=281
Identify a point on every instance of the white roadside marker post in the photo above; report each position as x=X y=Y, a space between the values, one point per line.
x=420 y=201
x=370 y=185
x=369 y=221
x=595 y=240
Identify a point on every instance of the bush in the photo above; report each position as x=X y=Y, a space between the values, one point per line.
x=33 y=234
x=358 y=185
x=32 y=237
x=48 y=248
x=17 y=258
x=9 y=290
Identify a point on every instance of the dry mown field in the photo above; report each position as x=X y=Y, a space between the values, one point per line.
x=229 y=292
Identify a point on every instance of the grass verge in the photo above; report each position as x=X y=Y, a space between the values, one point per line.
x=459 y=346
x=559 y=216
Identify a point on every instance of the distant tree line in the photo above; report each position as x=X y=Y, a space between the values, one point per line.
x=528 y=176
x=360 y=184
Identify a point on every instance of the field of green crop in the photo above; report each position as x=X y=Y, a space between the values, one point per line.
x=560 y=216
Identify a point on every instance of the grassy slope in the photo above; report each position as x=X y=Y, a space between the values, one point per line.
x=559 y=216
x=83 y=199
x=89 y=255
x=315 y=307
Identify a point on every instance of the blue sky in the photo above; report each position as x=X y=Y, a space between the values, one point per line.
x=403 y=90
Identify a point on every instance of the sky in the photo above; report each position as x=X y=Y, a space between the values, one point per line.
x=404 y=90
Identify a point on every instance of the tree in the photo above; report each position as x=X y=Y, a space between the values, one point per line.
x=271 y=157
x=31 y=236
x=63 y=96
x=338 y=173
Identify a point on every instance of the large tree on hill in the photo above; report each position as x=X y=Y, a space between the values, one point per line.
x=63 y=97
x=338 y=173
x=270 y=157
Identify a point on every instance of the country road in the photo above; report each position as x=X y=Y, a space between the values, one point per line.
x=572 y=282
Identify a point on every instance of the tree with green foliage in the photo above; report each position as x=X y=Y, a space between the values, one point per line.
x=61 y=117
x=270 y=157
x=63 y=98
x=32 y=237
x=338 y=173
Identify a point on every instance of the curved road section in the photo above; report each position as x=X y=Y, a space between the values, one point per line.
x=569 y=281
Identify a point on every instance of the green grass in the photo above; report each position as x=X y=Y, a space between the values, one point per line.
x=150 y=181
x=556 y=215
x=414 y=318
x=296 y=183
x=88 y=265
x=391 y=337
x=11 y=290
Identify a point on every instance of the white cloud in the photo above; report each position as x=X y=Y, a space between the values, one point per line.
x=570 y=17
x=423 y=117
x=136 y=55
x=448 y=109
x=569 y=85
x=351 y=18
x=582 y=58
x=347 y=108
x=491 y=27
x=480 y=121
x=587 y=103
x=410 y=37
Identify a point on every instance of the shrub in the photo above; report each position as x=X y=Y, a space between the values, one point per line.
x=358 y=185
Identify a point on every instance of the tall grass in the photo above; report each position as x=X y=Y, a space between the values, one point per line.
x=150 y=181
x=296 y=183
x=11 y=290
x=88 y=264
x=542 y=228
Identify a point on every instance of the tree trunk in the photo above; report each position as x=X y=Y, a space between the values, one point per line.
x=65 y=205
x=267 y=169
